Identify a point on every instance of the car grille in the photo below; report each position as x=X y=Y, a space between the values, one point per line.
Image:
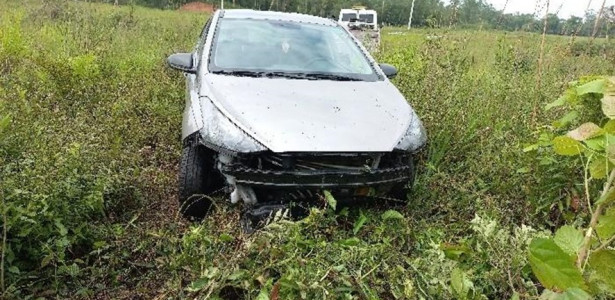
x=321 y=162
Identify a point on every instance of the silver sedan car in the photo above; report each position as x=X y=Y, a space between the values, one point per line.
x=281 y=107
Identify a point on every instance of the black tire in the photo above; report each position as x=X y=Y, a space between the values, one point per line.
x=198 y=178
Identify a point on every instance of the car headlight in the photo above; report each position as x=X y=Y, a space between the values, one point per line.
x=219 y=131
x=415 y=137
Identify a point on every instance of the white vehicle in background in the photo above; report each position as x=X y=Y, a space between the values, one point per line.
x=363 y=24
x=359 y=16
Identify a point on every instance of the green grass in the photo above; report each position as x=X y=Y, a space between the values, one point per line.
x=88 y=169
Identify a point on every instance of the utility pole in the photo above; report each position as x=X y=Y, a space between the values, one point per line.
x=411 y=13
x=578 y=29
x=502 y=13
x=221 y=4
x=597 y=23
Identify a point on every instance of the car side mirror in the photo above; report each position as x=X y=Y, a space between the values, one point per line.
x=388 y=70
x=182 y=62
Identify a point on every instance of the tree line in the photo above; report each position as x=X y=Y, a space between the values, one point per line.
x=427 y=13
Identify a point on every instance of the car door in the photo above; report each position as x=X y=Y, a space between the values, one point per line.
x=192 y=116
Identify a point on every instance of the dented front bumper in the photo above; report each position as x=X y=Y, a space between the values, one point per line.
x=269 y=182
x=320 y=171
x=321 y=179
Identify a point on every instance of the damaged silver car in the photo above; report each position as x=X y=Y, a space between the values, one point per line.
x=281 y=106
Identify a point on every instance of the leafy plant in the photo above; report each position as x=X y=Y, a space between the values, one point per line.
x=580 y=261
x=89 y=152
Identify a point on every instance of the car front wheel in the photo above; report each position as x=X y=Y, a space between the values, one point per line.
x=198 y=179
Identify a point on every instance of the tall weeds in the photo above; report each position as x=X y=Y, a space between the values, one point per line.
x=90 y=162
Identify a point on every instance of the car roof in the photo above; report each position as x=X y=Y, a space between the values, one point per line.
x=274 y=15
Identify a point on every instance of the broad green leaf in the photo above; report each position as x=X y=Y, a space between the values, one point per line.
x=609 y=140
x=599 y=168
x=606 y=224
x=198 y=284
x=392 y=214
x=608 y=197
x=608 y=104
x=610 y=152
x=545 y=139
x=455 y=252
x=461 y=283
x=586 y=131
x=330 y=200
x=564 y=145
x=566 y=119
x=515 y=296
x=609 y=127
x=559 y=102
x=358 y=224
x=596 y=144
x=552 y=266
x=569 y=294
x=608 y=100
x=569 y=239
x=575 y=294
x=593 y=87
x=603 y=264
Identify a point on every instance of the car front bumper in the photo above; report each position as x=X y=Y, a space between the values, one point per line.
x=319 y=179
x=320 y=171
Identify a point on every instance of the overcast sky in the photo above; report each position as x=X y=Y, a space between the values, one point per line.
x=568 y=7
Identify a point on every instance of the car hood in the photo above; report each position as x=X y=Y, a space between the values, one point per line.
x=290 y=115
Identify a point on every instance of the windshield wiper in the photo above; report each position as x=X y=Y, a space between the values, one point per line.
x=278 y=74
x=263 y=74
x=285 y=75
x=240 y=73
x=335 y=77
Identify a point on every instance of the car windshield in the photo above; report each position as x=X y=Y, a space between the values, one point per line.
x=274 y=48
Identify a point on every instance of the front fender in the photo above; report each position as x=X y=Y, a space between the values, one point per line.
x=192 y=116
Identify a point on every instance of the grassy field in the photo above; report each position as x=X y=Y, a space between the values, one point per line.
x=88 y=167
